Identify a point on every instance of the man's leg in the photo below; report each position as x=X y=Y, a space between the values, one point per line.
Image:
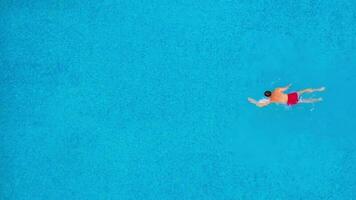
x=310 y=100
x=310 y=90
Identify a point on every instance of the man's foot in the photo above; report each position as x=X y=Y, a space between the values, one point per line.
x=320 y=89
x=310 y=100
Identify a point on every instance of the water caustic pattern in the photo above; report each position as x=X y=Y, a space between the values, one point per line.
x=120 y=99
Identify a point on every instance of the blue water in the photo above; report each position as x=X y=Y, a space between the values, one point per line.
x=138 y=99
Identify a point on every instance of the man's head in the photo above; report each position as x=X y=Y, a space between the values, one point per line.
x=268 y=93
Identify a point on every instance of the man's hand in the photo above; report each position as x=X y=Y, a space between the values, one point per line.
x=260 y=103
x=252 y=100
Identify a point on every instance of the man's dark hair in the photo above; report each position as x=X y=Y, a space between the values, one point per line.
x=268 y=93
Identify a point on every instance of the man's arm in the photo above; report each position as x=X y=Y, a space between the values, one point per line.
x=260 y=103
x=284 y=88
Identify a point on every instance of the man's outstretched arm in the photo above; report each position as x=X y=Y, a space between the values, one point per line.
x=260 y=103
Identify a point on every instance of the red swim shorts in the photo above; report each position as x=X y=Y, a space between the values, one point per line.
x=292 y=98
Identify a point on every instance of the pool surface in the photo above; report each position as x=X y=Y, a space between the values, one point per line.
x=138 y=99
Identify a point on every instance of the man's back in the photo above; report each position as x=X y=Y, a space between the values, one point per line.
x=278 y=96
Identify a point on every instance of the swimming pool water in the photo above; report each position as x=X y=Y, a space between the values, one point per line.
x=148 y=99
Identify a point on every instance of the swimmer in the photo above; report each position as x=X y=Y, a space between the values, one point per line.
x=278 y=96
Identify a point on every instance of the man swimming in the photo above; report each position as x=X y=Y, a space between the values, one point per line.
x=278 y=96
